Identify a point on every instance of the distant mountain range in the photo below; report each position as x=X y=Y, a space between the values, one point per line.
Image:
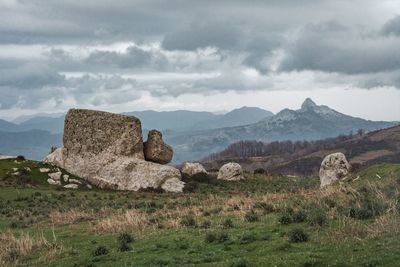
x=195 y=135
x=310 y=122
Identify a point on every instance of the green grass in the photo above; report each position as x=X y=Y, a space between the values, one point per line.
x=217 y=223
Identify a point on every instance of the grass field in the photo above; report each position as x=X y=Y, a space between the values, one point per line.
x=262 y=221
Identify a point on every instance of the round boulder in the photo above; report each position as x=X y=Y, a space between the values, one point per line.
x=191 y=169
x=334 y=167
x=231 y=172
x=156 y=150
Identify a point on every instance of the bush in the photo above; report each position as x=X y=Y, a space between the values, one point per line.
x=299 y=216
x=247 y=237
x=317 y=218
x=181 y=243
x=285 y=218
x=101 y=250
x=188 y=221
x=206 y=224
x=267 y=208
x=241 y=262
x=298 y=235
x=367 y=209
x=210 y=237
x=20 y=158
x=125 y=238
x=260 y=171
x=251 y=216
x=123 y=246
x=216 y=237
x=227 y=223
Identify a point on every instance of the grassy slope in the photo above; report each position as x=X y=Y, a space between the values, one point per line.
x=354 y=223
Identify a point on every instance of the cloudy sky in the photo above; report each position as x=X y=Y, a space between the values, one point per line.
x=199 y=55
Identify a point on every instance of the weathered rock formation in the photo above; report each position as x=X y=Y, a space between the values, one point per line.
x=231 y=172
x=107 y=150
x=333 y=168
x=156 y=150
x=191 y=169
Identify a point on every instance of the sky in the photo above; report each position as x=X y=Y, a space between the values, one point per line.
x=206 y=55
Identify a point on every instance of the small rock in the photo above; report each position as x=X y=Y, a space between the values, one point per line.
x=231 y=172
x=191 y=169
x=89 y=186
x=65 y=177
x=71 y=186
x=75 y=181
x=173 y=185
x=334 y=167
x=16 y=173
x=55 y=175
x=156 y=150
x=53 y=182
x=15 y=169
x=44 y=170
x=27 y=169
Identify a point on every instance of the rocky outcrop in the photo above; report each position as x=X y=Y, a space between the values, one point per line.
x=231 y=172
x=334 y=167
x=107 y=150
x=156 y=150
x=191 y=169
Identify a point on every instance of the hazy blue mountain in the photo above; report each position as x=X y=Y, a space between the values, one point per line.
x=174 y=120
x=23 y=118
x=33 y=144
x=8 y=126
x=310 y=122
x=51 y=124
x=236 y=117
x=194 y=120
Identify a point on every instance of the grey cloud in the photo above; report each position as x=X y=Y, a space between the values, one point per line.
x=392 y=27
x=218 y=34
x=133 y=58
x=330 y=47
x=30 y=76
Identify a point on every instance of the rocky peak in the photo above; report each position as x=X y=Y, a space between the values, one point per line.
x=308 y=103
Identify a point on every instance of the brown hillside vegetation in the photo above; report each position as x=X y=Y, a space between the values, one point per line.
x=304 y=157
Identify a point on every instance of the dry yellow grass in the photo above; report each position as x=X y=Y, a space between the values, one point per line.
x=70 y=216
x=130 y=220
x=12 y=247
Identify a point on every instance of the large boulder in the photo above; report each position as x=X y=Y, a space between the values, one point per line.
x=334 y=167
x=191 y=169
x=231 y=172
x=107 y=150
x=156 y=150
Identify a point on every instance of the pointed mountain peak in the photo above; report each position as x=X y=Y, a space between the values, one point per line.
x=308 y=103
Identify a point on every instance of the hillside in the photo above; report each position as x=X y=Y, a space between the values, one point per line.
x=304 y=158
x=310 y=122
x=260 y=221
